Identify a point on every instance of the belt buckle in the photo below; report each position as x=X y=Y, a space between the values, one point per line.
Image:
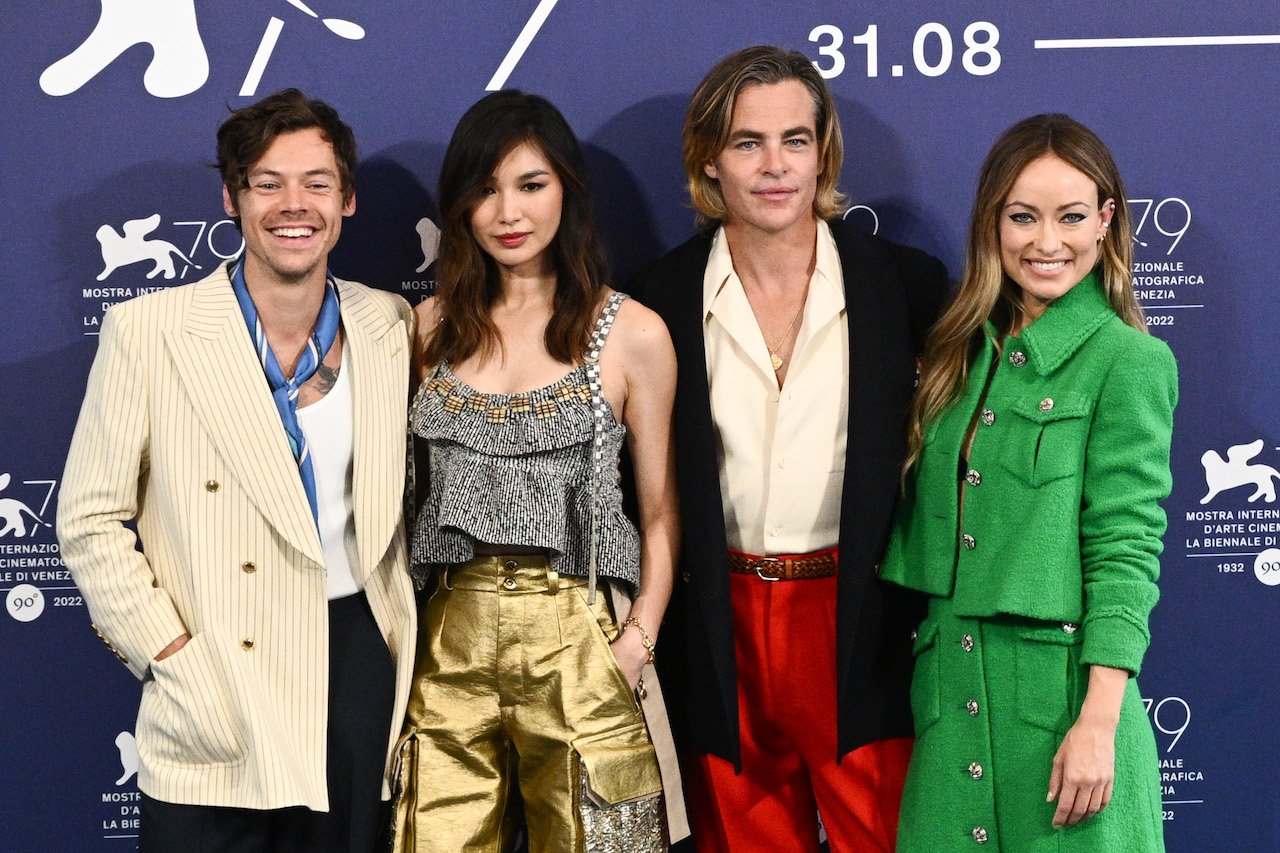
x=763 y=560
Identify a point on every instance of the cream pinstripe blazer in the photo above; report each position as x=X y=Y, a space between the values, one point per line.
x=178 y=431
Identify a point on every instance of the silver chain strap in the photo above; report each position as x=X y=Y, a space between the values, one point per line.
x=592 y=361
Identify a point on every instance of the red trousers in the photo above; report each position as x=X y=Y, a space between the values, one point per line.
x=784 y=642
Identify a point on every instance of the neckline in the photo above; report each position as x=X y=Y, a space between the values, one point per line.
x=567 y=379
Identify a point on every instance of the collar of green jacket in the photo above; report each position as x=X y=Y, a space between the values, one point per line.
x=1065 y=325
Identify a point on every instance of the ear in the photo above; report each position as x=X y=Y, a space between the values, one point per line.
x=711 y=171
x=1108 y=211
x=229 y=203
x=349 y=207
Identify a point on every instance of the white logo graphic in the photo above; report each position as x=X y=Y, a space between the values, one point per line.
x=345 y=29
x=179 y=64
x=1221 y=475
x=429 y=233
x=1153 y=208
x=862 y=209
x=14 y=515
x=520 y=45
x=1266 y=567
x=25 y=602
x=131 y=247
x=128 y=757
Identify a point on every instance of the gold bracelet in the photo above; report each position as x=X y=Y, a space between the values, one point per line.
x=645 y=640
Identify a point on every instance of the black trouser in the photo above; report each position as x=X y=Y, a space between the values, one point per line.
x=361 y=696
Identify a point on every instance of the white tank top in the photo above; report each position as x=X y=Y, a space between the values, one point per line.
x=327 y=426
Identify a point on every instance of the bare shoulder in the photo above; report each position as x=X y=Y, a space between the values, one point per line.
x=426 y=317
x=640 y=332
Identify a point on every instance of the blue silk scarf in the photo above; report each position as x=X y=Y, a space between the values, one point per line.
x=284 y=390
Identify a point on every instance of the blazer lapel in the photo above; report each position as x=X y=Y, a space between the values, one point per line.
x=705 y=550
x=702 y=507
x=879 y=379
x=380 y=397
x=225 y=383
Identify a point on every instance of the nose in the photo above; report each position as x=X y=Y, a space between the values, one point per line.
x=1048 y=238
x=294 y=197
x=508 y=208
x=774 y=163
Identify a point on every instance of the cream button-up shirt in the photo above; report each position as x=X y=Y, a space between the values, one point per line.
x=781 y=450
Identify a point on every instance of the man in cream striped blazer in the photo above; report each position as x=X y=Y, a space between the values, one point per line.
x=252 y=425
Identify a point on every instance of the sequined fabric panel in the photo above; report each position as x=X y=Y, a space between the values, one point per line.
x=636 y=827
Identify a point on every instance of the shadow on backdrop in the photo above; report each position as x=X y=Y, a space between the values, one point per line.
x=642 y=215
x=381 y=244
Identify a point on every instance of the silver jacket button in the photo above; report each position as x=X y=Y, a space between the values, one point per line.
x=979 y=835
x=966 y=642
x=973 y=478
x=1017 y=358
x=988 y=417
x=1070 y=627
x=975 y=770
x=969 y=541
x=972 y=707
x=1046 y=404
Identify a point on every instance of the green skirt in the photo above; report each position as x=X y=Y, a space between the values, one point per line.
x=993 y=699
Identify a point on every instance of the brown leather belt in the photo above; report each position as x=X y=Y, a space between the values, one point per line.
x=791 y=567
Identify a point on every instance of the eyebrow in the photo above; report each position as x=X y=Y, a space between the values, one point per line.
x=789 y=133
x=533 y=173
x=272 y=173
x=1028 y=206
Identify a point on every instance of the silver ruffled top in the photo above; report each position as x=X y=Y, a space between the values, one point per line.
x=515 y=469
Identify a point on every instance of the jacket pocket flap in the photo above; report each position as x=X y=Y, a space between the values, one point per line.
x=1063 y=634
x=1050 y=408
x=620 y=766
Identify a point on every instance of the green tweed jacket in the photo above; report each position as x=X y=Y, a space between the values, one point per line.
x=1061 y=518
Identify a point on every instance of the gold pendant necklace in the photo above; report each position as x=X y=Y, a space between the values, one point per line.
x=774 y=358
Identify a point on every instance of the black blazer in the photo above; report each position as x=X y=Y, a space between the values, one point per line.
x=892 y=295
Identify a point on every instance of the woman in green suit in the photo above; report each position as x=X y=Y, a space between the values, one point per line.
x=1039 y=453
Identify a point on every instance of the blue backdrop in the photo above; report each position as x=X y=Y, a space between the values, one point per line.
x=111 y=108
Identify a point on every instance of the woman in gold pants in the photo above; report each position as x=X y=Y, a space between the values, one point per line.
x=527 y=683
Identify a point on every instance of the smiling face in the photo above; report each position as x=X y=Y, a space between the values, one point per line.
x=518 y=215
x=291 y=212
x=768 y=169
x=1050 y=228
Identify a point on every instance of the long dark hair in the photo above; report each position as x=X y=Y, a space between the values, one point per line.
x=467 y=280
x=986 y=292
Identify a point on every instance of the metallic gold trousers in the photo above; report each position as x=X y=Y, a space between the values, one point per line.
x=515 y=685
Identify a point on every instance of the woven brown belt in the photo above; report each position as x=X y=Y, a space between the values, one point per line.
x=819 y=564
